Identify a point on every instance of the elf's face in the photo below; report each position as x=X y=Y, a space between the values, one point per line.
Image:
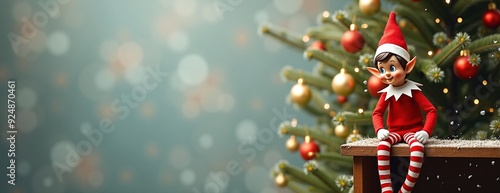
x=391 y=72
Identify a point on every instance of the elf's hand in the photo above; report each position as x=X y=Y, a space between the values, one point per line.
x=422 y=136
x=382 y=134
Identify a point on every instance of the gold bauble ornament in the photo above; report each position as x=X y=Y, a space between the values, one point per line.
x=300 y=93
x=369 y=7
x=280 y=180
x=292 y=144
x=343 y=83
x=342 y=131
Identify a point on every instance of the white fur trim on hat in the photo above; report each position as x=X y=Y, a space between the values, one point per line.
x=393 y=48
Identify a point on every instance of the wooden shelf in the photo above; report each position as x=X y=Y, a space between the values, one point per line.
x=433 y=148
x=449 y=166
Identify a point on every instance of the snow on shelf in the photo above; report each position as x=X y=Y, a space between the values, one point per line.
x=433 y=148
x=457 y=143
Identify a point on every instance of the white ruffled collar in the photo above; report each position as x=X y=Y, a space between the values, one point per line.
x=397 y=92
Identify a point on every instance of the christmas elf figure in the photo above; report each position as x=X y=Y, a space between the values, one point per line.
x=405 y=100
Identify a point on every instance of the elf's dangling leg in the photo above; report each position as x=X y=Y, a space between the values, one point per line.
x=416 y=160
x=383 y=157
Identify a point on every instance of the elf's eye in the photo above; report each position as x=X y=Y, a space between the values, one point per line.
x=382 y=70
x=393 y=68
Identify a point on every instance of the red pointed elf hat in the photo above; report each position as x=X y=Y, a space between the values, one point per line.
x=393 y=41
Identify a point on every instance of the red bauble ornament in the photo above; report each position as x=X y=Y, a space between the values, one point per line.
x=318 y=45
x=341 y=99
x=352 y=41
x=308 y=149
x=463 y=68
x=374 y=85
x=491 y=19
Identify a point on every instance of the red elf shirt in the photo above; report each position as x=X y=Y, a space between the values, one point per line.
x=406 y=103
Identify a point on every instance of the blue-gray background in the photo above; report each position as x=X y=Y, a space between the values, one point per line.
x=77 y=60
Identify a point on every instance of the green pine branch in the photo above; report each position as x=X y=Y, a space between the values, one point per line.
x=324 y=33
x=302 y=177
x=352 y=118
x=448 y=52
x=325 y=179
x=337 y=62
x=309 y=79
x=335 y=158
x=296 y=187
x=488 y=43
x=415 y=18
x=329 y=21
x=459 y=7
x=315 y=133
x=284 y=36
x=337 y=50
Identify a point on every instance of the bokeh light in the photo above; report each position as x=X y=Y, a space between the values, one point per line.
x=185 y=8
x=58 y=43
x=60 y=150
x=216 y=91
x=206 y=141
x=287 y=7
x=246 y=131
x=187 y=177
x=130 y=54
x=192 y=69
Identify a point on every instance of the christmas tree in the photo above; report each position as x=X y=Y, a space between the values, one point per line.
x=457 y=43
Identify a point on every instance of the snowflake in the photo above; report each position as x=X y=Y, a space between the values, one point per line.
x=495 y=126
x=344 y=182
x=435 y=74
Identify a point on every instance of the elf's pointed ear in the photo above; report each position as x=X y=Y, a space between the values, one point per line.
x=411 y=65
x=374 y=71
